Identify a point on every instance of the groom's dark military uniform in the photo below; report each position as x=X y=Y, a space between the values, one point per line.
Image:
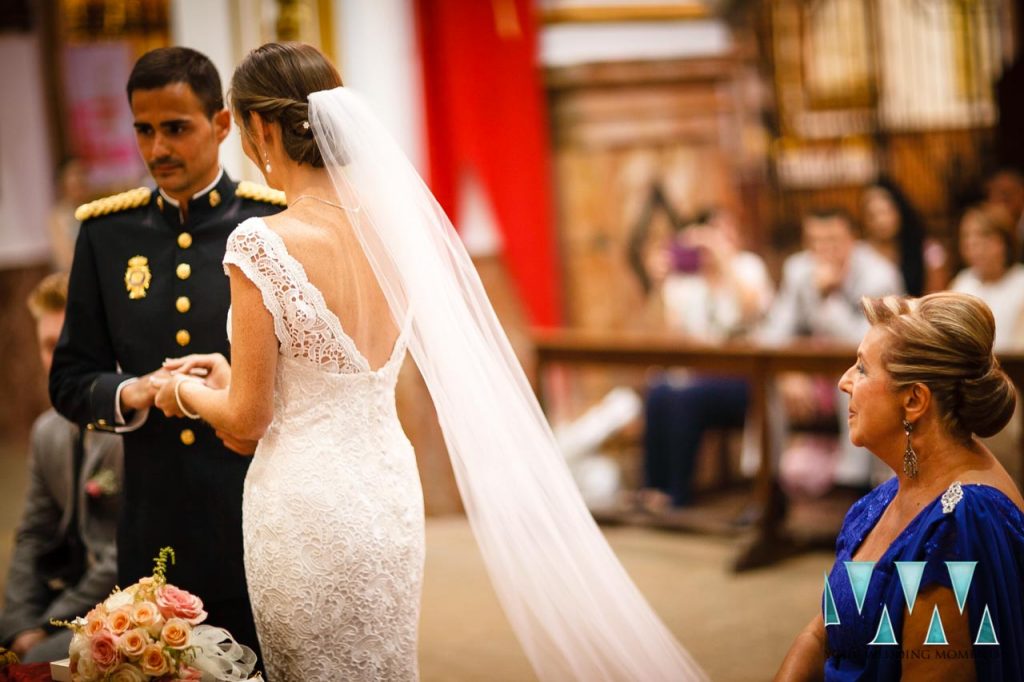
x=146 y=286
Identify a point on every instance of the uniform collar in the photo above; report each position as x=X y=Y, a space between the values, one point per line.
x=202 y=202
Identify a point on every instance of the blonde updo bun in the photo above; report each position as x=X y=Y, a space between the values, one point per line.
x=944 y=341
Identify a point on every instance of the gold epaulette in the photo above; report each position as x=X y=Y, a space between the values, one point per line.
x=133 y=198
x=258 y=192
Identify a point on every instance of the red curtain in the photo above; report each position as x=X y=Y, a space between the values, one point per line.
x=485 y=115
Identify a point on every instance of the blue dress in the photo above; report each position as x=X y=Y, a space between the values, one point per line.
x=969 y=523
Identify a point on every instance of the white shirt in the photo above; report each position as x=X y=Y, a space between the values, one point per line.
x=1005 y=297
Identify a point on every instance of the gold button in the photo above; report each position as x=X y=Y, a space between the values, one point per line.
x=183 y=304
x=184 y=271
x=91 y=427
x=188 y=436
x=101 y=422
x=183 y=337
x=184 y=240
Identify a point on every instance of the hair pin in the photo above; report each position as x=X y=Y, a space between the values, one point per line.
x=305 y=125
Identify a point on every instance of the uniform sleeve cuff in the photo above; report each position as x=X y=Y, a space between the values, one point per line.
x=138 y=417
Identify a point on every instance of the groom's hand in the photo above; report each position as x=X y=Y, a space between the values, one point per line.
x=242 y=447
x=139 y=395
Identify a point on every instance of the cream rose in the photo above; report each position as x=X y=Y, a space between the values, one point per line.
x=119 y=621
x=103 y=648
x=95 y=621
x=146 y=615
x=85 y=668
x=154 y=662
x=79 y=645
x=177 y=603
x=126 y=673
x=176 y=633
x=133 y=642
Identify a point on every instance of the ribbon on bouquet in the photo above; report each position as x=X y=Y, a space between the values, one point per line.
x=219 y=656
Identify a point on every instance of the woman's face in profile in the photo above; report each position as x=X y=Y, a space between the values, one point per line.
x=874 y=416
x=881 y=218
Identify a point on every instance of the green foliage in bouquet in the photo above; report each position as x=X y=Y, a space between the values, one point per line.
x=7 y=657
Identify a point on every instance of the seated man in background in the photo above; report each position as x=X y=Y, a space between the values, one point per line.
x=64 y=559
x=819 y=298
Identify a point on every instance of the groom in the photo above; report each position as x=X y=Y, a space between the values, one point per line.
x=147 y=284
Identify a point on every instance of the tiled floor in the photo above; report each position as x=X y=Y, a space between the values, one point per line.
x=737 y=627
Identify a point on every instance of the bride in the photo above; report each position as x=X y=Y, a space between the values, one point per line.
x=327 y=297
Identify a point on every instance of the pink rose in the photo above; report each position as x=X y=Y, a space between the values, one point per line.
x=103 y=649
x=133 y=642
x=93 y=489
x=177 y=603
x=189 y=674
x=119 y=621
x=154 y=662
x=176 y=633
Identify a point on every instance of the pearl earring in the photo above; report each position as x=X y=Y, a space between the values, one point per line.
x=266 y=166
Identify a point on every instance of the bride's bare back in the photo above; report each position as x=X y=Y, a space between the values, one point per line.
x=321 y=238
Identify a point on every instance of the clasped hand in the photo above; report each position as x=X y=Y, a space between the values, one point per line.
x=212 y=369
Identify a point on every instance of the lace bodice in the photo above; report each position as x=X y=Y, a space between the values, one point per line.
x=305 y=326
x=332 y=511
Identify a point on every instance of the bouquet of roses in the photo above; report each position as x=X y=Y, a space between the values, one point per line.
x=152 y=631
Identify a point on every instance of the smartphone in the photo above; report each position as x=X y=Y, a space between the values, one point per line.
x=684 y=258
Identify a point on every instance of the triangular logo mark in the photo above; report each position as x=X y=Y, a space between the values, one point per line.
x=859 y=573
x=936 y=633
x=960 y=574
x=910 y=579
x=829 y=607
x=885 y=635
x=986 y=631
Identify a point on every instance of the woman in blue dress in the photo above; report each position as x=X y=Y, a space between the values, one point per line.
x=927 y=582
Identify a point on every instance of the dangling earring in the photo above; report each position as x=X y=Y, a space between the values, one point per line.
x=909 y=456
x=266 y=166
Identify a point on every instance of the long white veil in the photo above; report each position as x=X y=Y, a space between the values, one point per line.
x=572 y=605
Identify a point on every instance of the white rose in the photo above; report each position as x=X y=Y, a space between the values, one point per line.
x=79 y=646
x=87 y=669
x=118 y=600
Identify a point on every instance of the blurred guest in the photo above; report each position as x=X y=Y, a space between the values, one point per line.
x=819 y=298
x=64 y=559
x=925 y=386
x=72 y=191
x=1005 y=187
x=712 y=290
x=988 y=248
x=895 y=230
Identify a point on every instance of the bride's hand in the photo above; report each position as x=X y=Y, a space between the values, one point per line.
x=165 y=400
x=213 y=367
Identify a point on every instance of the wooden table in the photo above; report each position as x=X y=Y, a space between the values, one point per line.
x=759 y=364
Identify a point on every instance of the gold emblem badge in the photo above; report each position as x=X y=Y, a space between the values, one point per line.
x=137 y=277
x=214 y=198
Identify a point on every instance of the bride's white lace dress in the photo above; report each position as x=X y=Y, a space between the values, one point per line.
x=332 y=509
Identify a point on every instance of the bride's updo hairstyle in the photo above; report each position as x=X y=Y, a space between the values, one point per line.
x=944 y=341
x=275 y=81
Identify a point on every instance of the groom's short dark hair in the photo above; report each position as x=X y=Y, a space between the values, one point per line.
x=167 y=65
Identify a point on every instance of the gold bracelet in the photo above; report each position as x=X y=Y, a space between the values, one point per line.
x=177 y=398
